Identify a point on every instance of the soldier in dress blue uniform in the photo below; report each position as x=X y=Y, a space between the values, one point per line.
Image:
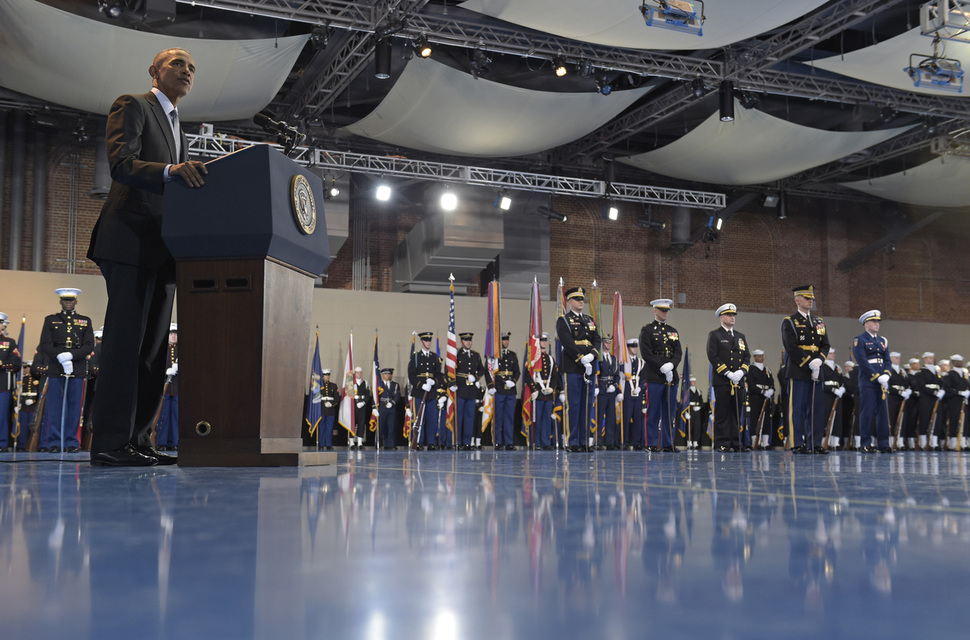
x=761 y=389
x=388 y=395
x=468 y=370
x=928 y=384
x=543 y=386
x=660 y=348
x=167 y=429
x=728 y=353
x=66 y=342
x=30 y=386
x=362 y=397
x=834 y=385
x=698 y=416
x=609 y=382
x=9 y=366
x=329 y=404
x=506 y=377
x=424 y=373
x=899 y=392
x=957 y=391
x=851 y=439
x=806 y=343
x=632 y=397
x=871 y=352
x=580 y=347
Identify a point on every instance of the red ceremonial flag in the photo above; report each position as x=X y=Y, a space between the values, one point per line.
x=533 y=354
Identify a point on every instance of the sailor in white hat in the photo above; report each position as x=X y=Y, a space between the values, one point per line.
x=761 y=388
x=9 y=366
x=958 y=391
x=633 y=392
x=362 y=396
x=928 y=384
x=661 y=349
x=728 y=353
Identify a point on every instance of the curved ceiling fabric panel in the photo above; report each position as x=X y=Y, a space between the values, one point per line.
x=46 y=53
x=618 y=23
x=883 y=63
x=435 y=108
x=754 y=149
x=941 y=182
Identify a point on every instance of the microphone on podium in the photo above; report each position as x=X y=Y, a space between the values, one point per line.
x=286 y=135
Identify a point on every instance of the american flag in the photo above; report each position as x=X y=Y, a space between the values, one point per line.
x=533 y=355
x=451 y=358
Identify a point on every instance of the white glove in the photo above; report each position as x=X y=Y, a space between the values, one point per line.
x=966 y=393
x=428 y=384
x=441 y=402
x=375 y=414
x=562 y=397
x=906 y=393
x=815 y=364
x=940 y=394
x=740 y=374
x=407 y=412
x=619 y=397
x=769 y=393
x=68 y=367
x=732 y=376
x=453 y=388
x=471 y=379
x=491 y=391
x=610 y=389
x=883 y=380
x=667 y=367
x=596 y=391
x=360 y=405
x=509 y=384
x=171 y=371
x=587 y=358
x=588 y=368
x=815 y=375
x=546 y=390
x=839 y=392
x=670 y=376
x=175 y=366
x=64 y=357
x=643 y=410
x=29 y=401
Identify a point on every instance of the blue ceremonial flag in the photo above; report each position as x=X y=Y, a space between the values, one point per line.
x=20 y=348
x=313 y=409
x=710 y=398
x=684 y=413
x=375 y=386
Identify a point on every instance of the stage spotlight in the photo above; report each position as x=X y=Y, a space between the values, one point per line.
x=422 y=47
x=111 y=8
x=382 y=59
x=503 y=201
x=727 y=101
x=603 y=86
x=697 y=88
x=611 y=211
x=331 y=191
x=383 y=193
x=559 y=66
x=449 y=201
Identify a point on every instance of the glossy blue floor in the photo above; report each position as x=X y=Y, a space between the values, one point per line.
x=490 y=545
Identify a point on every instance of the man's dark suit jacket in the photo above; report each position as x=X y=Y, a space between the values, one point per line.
x=140 y=145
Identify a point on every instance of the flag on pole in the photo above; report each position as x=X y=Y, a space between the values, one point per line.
x=710 y=400
x=375 y=387
x=451 y=358
x=619 y=331
x=493 y=348
x=684 y=413
x=409 y=412
x=313 y=410
x=345 y=416
x=533 y=354
x=594 y=307
x=557 y=408
x=18 y=381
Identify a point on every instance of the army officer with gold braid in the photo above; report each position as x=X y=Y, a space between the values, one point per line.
x=580 y=349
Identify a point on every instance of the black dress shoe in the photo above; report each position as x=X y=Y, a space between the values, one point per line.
x=43 y=450
x=723 y=449
x=745 y=449
x=653 y=449
x=885 y=450
x=73 y=449
x=126 y=456
x=159 y=457
x=329 y=448
x=55 y=449
x=510 y=447
x=802 y=449
x=868 y=449
x=668 y=449
x=821 y=451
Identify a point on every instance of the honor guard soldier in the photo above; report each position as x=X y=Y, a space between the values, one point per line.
x=66 y=342
x=928 y=384
x=660 y=348
x=30 y=385
x=609 y=383
x=727 y=351
x=580 y=347
x=761 y=389
x=633 y=397
x=167 y=429
x=543 y=387
x=468 y=370
x=388 y=395
x=957 y=390
x=361 y=414
x=506 y=377
x=871 y=352
x=698 y=416
x=911 y=410
x=850 y=415
x=806 y=343
x=9 y=366
x=424 y=371
x=899 y=392
x=90 y=389
x=329 y=401
x=834 y=384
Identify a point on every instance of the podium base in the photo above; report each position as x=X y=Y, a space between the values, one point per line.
x=256 y=459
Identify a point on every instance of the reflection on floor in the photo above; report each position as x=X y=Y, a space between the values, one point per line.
x=489 y=545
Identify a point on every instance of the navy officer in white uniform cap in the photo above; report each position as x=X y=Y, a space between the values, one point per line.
x=871 y=353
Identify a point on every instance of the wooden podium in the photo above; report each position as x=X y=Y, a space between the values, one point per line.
x=247 y=252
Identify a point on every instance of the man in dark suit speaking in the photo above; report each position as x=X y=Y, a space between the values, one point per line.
x=146 y=149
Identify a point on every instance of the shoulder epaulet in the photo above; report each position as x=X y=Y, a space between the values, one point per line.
x=786 y=318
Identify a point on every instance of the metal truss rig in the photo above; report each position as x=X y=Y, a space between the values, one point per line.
x=215 y=146
x=477 y=34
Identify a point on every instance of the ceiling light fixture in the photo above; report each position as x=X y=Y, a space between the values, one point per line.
x=727 y=101
x=604 y=86
x=503 y=201
x=449 y=201
x=559 y=66
x=111 y=8
x=422 y=47
x=611 y=211
x=382 y=59
x=383 y=193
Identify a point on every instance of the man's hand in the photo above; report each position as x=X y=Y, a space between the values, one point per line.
x=190 y=171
